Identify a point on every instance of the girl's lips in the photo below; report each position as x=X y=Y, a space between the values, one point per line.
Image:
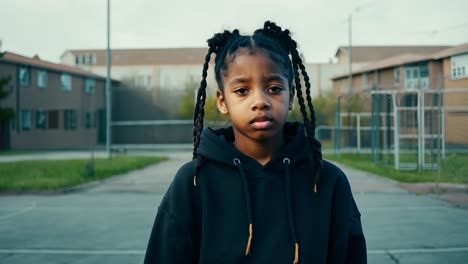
x=262 y=124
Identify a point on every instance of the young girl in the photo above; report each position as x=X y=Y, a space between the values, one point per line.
x=259 y=191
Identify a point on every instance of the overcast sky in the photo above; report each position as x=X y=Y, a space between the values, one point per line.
x=49 y=27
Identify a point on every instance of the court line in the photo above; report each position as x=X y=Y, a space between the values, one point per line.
x=24 y=210
x=107 y=208
x=141 y=252
x=417 y=250
x=72 y=252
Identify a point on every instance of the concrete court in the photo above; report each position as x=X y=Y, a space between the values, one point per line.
x=110 y=222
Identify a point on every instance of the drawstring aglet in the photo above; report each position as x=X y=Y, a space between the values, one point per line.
x=195 y=180
x=315 y=187
x=249 y=242
x=296 y=253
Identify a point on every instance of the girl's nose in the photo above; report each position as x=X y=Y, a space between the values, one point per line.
x=260 y=101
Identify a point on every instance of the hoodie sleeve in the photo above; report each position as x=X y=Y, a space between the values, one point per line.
x=171 y=239
x=347 y=242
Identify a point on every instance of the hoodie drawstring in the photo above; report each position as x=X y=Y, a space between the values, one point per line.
x=248 y=205
x=292 y=229
x=245 y=188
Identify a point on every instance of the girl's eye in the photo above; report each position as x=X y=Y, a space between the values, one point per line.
x=275 y=89
x=241 y=91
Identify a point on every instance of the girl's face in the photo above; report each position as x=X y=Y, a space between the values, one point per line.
x=257 y=97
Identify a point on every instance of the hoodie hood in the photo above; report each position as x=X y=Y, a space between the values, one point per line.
x=217 y=145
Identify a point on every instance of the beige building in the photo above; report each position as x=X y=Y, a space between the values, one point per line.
x=445 y=70
x=163 y=75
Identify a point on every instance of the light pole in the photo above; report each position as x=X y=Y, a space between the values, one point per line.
x=108 y=87
x=350 y=61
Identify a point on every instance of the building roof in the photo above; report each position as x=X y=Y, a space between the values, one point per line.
x=374 y=53
x=460 y=49
x=164 y=56
x=37 y=62
x=408 y=58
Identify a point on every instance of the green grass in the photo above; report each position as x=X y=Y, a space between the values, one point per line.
x=38 y=175
x=16 y=152
x=454 y=168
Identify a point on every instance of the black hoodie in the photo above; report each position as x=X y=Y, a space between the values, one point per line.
x=239 y=211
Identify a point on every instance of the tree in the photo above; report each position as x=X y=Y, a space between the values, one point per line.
x=324 y=108
x=6 y=113
x=187 y=105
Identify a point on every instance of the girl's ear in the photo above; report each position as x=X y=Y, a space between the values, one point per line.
x=291 y=98
x=221 y=103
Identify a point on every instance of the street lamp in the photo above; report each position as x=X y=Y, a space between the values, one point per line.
x=350 y=61
x=108 y=87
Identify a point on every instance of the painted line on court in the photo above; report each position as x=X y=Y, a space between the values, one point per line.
x=71 y=208
x=412 y=208
x=141 y=252
x=72 y=252
x=22 y=211
x=417 y=250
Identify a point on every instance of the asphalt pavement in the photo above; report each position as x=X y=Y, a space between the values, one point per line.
x=110 y=221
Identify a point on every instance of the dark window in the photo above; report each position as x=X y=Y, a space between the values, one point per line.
x=423 y=71
x=25 y=119
x=90 y=86
x=24 y=76
x=89 y=120
x=53 y=116
x=41 y=79
x=69 y=119
x=41 y=119
x=65 y=82
x=396 y=75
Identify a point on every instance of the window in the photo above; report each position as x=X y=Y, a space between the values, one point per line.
x=396 y=75
x=77 y=60
x=41 y=79
x=24 y=76
x=83 y=59
x=65 y=82
x=90 y=86
x=364 y=80
x=89 y=120
x=69 y=118
x=41 y=119
x=423 y=71
x=90 y=59
x=53 y=116
x=25 y=119
x=458 y=65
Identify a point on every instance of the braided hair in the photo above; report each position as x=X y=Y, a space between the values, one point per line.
x=282 y=49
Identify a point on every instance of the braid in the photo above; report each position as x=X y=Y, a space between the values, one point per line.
x=216 y=45
x=199 y=111
x=284 y=37
x=316 y=146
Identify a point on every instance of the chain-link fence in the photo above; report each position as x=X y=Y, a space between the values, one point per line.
x=409 y=130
